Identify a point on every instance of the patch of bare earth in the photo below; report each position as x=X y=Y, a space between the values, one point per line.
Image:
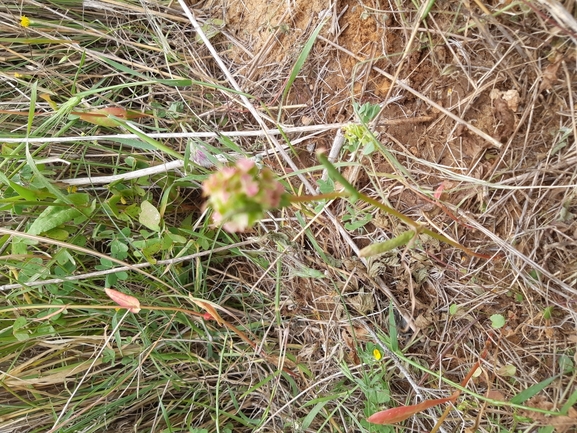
x=478 y=107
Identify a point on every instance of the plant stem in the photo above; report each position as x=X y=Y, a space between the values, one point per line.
x=409 y=221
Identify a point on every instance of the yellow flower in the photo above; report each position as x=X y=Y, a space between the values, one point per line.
x=24 y=21
x=377 y=354
x=18 y=75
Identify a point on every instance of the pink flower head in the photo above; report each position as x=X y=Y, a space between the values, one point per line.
x=241 y=195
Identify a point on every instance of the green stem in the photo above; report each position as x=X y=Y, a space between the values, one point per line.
x=352 y=193
x=311 y=198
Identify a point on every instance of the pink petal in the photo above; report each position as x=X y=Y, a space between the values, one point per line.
x=245 y=164
x=439 y=191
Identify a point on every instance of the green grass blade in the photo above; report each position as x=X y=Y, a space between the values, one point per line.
x=393 y=334
x=334 y=173
x=525 y=395
x=569 y=403
x=299 y=63
x=151 y=141
x=312 y=414
x=32 y=109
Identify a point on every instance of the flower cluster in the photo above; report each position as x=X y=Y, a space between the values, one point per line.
x=241 y=195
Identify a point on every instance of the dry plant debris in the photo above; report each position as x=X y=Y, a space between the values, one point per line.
x=477 y=131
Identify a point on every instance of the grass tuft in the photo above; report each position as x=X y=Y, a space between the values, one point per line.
x=449 y=130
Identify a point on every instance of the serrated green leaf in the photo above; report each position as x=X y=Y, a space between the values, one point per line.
x=354 y=225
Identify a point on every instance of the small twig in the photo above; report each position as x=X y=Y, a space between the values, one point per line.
x=161 y=135
x=127 y=268
x=338 y=143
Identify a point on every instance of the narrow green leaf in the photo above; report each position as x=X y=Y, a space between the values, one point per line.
x=525 y=395
x=156 y=144
x=569 y=403
x=177 y=82
x=35 y=41
x=300 y=62
x=137 y=144
x=383 y=247
x=24 y=192
x=32 y=109
x=393 y=329
x=45 y=182
x=335 y=175
x=306 y=272
x=312 y=414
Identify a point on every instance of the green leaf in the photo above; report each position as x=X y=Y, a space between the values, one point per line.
x=497 y=321
x=369 y=148
x=55 y=216
x=367 y=111
x=312 y=413
x=18 y=329
x=108 y=356
x=326 y=186
x=334 y=173
x=118 y=249
x=548 y=312
x=393 y=329
x=300 y=62
x=210 y=28
x=508 y=370
x=569 y=403
x=306 y=272
x=566 y=364
x=354 y=225
x=523 y=396
x=383 y=247
x=57 y=234
x=25 y=193
x=149 y=216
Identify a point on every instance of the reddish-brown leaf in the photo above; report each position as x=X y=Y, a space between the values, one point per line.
x=398 y=414
x=125 y=301
x=100 y=116
x=210 y=308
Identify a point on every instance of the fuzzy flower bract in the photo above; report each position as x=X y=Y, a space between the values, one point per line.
x=241 y=195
